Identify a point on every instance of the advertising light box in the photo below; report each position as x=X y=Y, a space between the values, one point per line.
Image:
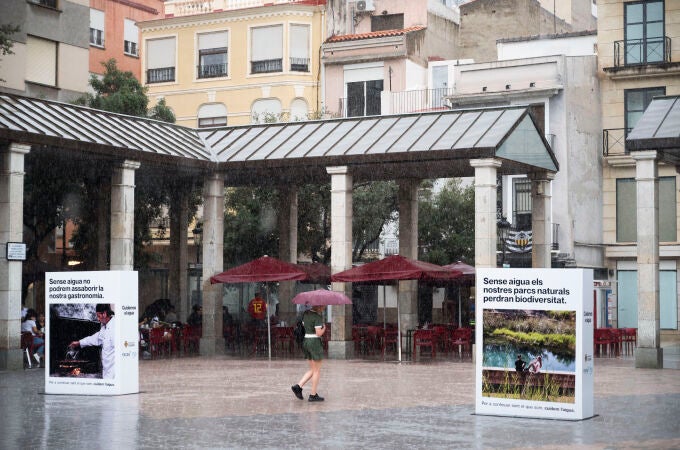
x=534 y=343
x=91 y=333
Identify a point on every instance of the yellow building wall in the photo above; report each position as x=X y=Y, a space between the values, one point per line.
x=239 y=90
x=610 y=30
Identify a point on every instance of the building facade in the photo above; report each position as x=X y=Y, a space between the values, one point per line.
x=114 y=32
x=237 y=63
x=50 y=57
x=639 y=59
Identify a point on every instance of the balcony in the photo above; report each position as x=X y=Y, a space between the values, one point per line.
x=162 y=75
x=633 y=52
x=266 y=66
x=614 y=141
x=176 y=8
x=48 y=3
x=212 y=71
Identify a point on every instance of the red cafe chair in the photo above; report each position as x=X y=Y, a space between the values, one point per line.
x=424 y=338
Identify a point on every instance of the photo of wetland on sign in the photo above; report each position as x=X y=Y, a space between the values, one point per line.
x=529 y=355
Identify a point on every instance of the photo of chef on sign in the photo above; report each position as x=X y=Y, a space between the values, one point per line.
x=82 y=340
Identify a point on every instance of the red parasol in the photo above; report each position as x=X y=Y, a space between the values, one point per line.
x=321 y=297
x=261 y=269
x=396 y=267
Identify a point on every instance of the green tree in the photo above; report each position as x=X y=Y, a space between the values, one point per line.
x=375 y=205
x=116 y=91
x=446 y=230
x=250 y=224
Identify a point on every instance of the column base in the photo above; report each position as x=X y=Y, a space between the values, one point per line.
x=11 y=359
x=648 y=358
x=340 y=349
x=211 y=346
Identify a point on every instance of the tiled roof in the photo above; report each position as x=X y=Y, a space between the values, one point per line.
x=373 y=34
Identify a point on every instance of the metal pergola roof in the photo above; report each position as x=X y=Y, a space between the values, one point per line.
x=422 y=145
x=659 y=126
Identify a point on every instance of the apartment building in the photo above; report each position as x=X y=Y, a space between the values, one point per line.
x=235 y=62
x=50 y=57
x=639 y=59
x=114 y=32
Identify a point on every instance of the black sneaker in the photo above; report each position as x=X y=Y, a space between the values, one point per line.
x=315 y=398
x=297 y=390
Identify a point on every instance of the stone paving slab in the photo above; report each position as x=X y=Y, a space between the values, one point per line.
x=225 y=402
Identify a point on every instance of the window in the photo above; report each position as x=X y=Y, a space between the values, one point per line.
x=644 y=32
x=636 y=101
x=212 y=54
x=266 y=55
x=521 y=205
x=266 y=110
x=387 y=22
x=131 y=36
x=299 y=48
x=41 y=61
x=363 y=98
x=48 y=3
x=96 y=28
x=160 y=60
x=299 y=110
x=212 y=115
x=626 y=210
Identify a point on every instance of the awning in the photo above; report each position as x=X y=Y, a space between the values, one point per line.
x=422 y=145
x=658 y=128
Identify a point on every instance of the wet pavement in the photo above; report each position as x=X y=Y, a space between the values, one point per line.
x=228 y=402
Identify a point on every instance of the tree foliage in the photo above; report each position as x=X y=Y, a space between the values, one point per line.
x=250 y=224
x=375 y=205
x=446 y=231
x=6 y=43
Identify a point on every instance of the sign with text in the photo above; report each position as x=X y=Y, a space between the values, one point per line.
x=91 y=333
x=534 y=343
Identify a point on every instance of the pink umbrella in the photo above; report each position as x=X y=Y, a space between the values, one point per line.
x=321 y=297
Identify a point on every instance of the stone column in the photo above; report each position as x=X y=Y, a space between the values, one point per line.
x=485 y=211
x=288 y=228
x=340 y=346
x=648 y=353
x=541 y=219
x=212 y=341
x=11 y=230
x=179 y=251
x=123 y=215
x=103 y=197
x=408 y=247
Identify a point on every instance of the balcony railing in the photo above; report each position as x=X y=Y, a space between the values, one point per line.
x=162 y=75
x=419 y=100
x=635 y=52
x=48 y=3
x=299 y=64
x=614 y=141
x=212 y=71
x=189 y=7
x=266 y=66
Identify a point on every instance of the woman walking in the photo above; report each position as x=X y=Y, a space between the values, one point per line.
x=313 y=351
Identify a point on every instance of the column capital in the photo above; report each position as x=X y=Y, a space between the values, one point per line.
x=19 y=147
x=541 y=176
x=129 y=164
x=337 y=170
x=644 y=155
x=486 y=162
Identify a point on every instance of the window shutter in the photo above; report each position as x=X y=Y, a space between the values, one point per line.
x=264 y=43
x=41 y=61
x=131 y=32
x=97 y=19
x=208 y=41
x=160 y=53
x=299 y=41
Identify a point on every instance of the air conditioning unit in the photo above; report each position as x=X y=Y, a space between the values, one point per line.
x=365 y=5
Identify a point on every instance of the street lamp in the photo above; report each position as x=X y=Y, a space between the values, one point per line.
x=503 y=228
